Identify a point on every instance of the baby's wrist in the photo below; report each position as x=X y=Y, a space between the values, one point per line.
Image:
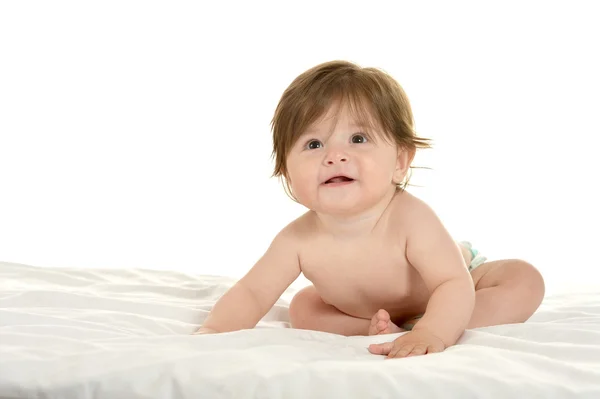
x=440 y=337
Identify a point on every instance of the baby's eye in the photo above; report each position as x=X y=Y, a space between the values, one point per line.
x=313 y=144
x=359 y=139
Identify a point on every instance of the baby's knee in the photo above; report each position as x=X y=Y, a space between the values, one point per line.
x=302 y=303
x=530 y=280
x=535 y=280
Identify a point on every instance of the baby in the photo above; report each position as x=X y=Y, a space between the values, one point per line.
x=379 y=259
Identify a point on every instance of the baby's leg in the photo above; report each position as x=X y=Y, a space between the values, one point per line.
x=506 y=291
x=510 y=292
x=309 y=312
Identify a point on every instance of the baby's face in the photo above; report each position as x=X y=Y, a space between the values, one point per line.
x=339 y=168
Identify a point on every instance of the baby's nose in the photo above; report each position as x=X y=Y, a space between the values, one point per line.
x=336 y=157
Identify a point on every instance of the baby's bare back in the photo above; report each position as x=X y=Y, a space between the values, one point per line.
x=362 y=275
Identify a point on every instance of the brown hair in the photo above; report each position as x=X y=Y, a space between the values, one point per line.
x=370 y=93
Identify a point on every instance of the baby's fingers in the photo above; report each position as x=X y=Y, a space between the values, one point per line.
x=381 y=349
x=419 y=350
x=401 y=350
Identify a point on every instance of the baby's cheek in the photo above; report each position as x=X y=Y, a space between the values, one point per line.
x=298 y=184
x=302 y=192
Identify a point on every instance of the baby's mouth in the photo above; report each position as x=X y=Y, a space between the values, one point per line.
x=339 y=179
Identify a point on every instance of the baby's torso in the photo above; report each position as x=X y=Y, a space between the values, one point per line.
x=360 y=276
x=366 y=277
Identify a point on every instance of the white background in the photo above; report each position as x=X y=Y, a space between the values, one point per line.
x=136 y=134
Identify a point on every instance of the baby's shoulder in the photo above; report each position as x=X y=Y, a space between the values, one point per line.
x=299 y=229
x=411 y=215
x=409 y=208
x=417 y=218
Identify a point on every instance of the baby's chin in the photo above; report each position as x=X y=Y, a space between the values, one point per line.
x=341 y=207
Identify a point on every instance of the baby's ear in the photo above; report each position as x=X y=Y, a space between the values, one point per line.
x=403 y=162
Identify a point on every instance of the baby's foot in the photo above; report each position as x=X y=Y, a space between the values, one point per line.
x=382 y=324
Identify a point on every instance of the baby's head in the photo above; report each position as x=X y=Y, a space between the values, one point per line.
x=340 y=119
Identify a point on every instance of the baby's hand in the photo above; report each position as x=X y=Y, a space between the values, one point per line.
x=204 y=330
x=413 y=343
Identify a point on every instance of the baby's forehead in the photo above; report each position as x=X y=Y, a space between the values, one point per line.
x=328 y=125
x=346 y=118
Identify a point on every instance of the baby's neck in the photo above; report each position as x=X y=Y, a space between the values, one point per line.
x=355 y=225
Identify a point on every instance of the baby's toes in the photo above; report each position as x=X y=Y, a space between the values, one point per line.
x=382 y=326
x=383 y=315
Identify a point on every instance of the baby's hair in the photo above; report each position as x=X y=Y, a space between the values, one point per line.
x=374 y=98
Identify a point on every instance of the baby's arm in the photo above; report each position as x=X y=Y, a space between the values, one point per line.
x=244 y=304
x=435 y=255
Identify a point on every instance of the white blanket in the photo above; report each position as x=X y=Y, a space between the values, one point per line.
x=76 y=333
